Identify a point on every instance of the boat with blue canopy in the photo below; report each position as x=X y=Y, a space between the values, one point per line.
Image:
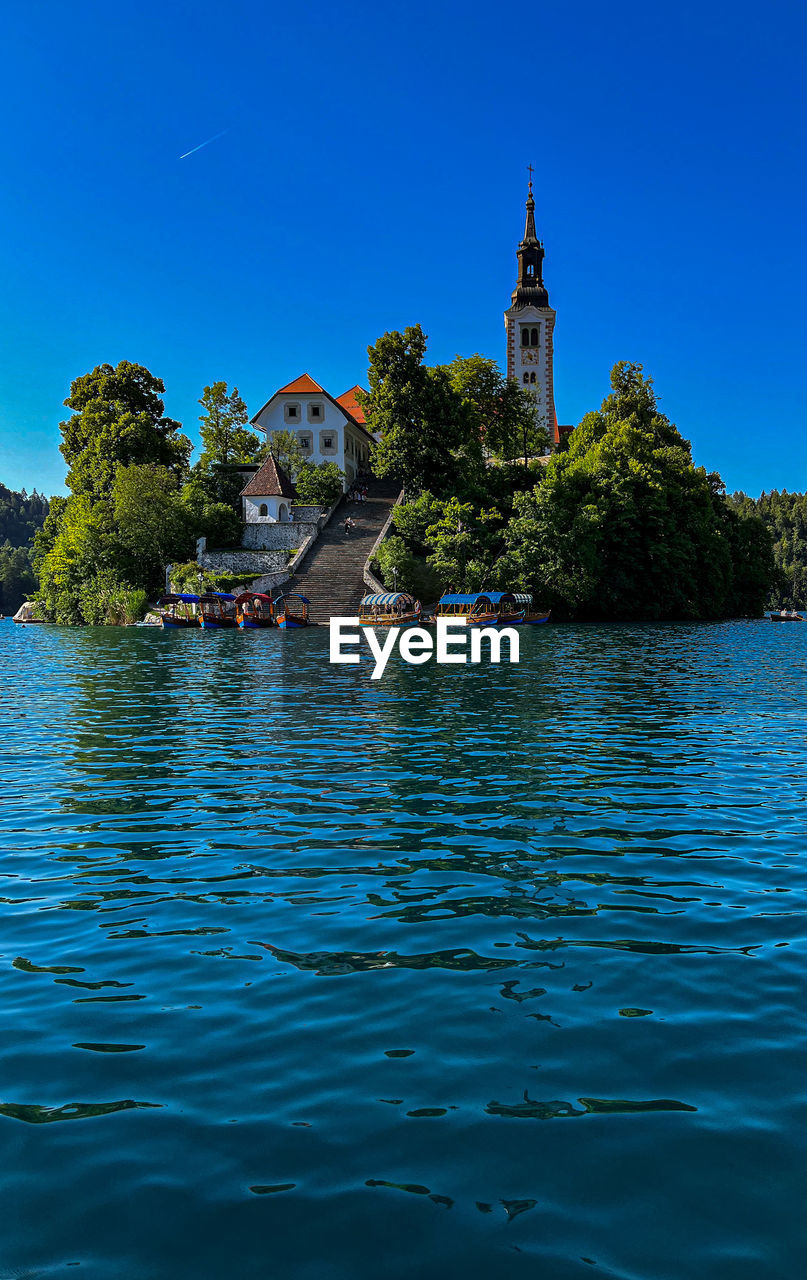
x=291 y=611
x=178 y=609
x=481 y=608
x=388 y=609
x=217 y=610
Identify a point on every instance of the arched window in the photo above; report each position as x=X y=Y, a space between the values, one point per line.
x=263 y=510
x=534 y=338
x=526 y=379
x=525 y=337
x=532 y=377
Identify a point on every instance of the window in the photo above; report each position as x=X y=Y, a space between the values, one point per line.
x=525 y=337
x=532 y=378
x=292 y=412
x=327 y=442
x=315 y=413
x=533 y=337
x=263 y=510
x=305 y=442
x=526 y=379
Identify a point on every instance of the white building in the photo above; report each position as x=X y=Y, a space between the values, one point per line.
x=530 y=322
x=329 y=429
x=268 y=495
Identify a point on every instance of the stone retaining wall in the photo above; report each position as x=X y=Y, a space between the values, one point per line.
x=274 y=537
x=244 y=561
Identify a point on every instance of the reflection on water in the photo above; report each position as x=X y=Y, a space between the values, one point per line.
x=450 y=899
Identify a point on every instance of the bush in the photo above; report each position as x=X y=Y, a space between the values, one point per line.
x=106 y=602
x=319 y=486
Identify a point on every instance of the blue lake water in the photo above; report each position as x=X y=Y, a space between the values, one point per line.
x=468 y=972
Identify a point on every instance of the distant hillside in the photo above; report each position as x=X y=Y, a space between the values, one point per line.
x=785 y=516
x=20 y=517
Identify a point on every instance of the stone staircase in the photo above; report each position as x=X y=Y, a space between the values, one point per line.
x=331 y=573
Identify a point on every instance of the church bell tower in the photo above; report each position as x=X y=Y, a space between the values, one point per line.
x=529 y=322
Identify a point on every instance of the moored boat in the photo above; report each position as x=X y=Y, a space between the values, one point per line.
x=216 y=610
x=291 y=611
x=389 y=609
x=254 y=609
x=786 y=615
x=531 y=618
x=178 y=610
x=482 y=608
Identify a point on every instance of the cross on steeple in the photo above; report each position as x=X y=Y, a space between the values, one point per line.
x=531 y=171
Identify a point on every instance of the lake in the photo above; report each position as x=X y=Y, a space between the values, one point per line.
x=466 y=972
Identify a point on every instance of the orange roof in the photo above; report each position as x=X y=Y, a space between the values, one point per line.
x=302 y=384
x=348 y=401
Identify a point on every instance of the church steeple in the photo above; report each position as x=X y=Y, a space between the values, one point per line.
x=530 y=290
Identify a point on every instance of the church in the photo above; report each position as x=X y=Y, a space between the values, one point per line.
x=529 y=323
x=334 y=429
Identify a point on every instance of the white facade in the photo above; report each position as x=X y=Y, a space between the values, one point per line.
x=325 y=432
x=265 y=510
x=530 y=347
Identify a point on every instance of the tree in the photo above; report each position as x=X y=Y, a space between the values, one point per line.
x=225 y=437
x=624 y=526
x=151 y=520
x=462 y=546
x=505 y=416
x=287 y=452
x=319 y=486
x=428 y=436
x=118 y=420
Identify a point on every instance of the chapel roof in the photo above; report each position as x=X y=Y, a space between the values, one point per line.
x=270 y=481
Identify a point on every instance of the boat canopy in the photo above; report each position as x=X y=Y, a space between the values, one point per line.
x=493 y=597
x=175 y=597
x=386 y=600
x=213 y=597
x=521 y=597
x=253 y=595
x=292 y=595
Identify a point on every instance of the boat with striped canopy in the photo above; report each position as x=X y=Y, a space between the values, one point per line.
x=388 y=609
x=531 y=618
x=481 y=608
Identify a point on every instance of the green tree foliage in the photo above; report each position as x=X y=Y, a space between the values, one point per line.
x=462 y=546
x=624 y=526
x=21 y=518
x=17 y=577
x=152 y=522
x=319 y=486
x=118 y=419
x=287 y=452
x=429 y=437
x=784 y=515
x=124 y=516
x=504 y=415
x=223 y=426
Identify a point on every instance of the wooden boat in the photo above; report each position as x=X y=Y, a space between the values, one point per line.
x=291 y=611
x=254 y=609
x=786 y=616
x=481 y=608
x=216 y=611
x=388 y=609
x=178 y=610
x=531 y=618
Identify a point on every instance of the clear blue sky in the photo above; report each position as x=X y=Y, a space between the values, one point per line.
x=373 y=176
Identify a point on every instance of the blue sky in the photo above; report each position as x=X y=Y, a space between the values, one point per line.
x=373 y=175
